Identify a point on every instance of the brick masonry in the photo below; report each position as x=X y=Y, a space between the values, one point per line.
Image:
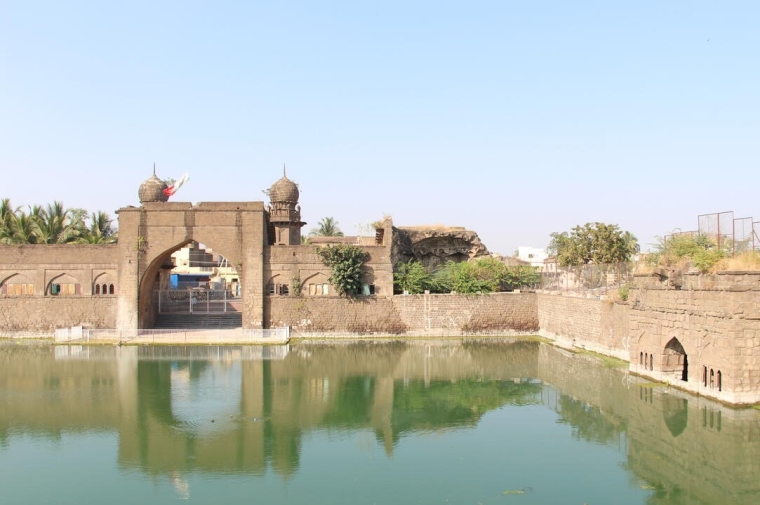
x=413 y=315
x=597 y=325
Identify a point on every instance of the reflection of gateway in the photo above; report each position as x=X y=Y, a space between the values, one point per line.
x=171 y=353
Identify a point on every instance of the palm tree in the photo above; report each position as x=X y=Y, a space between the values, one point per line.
x=54 y=225
x=19 y=229
x=100 y=231
x=328 y=227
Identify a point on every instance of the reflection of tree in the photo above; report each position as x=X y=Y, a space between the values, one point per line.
x=447 y=404
x=154 y=381
x=590 y=423
x=353 y=403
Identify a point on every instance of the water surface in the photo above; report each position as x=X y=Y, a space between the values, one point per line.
x=443 y=422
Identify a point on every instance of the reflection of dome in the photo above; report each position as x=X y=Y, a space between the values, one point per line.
x=284 y=191
x=152 y=190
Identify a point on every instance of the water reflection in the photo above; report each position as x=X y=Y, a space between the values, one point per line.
x=225 y=411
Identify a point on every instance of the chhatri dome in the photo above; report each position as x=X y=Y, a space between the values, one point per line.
x=152 y=190
x=284 y=191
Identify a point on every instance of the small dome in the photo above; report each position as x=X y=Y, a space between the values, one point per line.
x=152 y=190
x=284 y=191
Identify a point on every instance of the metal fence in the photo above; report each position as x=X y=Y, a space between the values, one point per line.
x=595 y=279
x=194 y=301
x=731 y=234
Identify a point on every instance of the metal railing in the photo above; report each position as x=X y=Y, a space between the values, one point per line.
x=194 y=301
x=174 y=336
x=597 y=279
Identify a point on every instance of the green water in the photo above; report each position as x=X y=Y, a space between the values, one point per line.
x=444 y=422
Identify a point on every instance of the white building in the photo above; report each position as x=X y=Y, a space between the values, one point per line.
x=533 y=255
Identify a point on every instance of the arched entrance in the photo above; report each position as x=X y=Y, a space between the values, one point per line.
x=675 y=361
x=191 y=286
x=150 y=234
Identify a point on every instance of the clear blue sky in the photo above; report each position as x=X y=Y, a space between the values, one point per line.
x=511 y=118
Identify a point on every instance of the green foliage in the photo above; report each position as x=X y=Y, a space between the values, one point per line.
x=623 y=292
x=327 y=227
x=597 y=243
x=346 y=264
x=699 y=251
x=485 y=275
x=520 y=276
x=53 y=224
x=296 y=285
x=412 y=278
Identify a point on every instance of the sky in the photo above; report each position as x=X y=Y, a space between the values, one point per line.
x=513 y=119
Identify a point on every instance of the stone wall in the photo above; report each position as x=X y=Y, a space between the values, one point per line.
x=710 y=322
x=415 y=315
x=597 y=325
x=496 y=313
x=42 y=315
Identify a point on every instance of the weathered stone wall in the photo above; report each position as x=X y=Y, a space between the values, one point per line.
x=283 y=264
x=332 y=314
x=500 y=313
x=45 y=314
x=496 y=313
x=715 y=319
x=597 y=325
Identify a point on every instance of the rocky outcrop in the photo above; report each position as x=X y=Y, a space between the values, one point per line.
x=435 y=245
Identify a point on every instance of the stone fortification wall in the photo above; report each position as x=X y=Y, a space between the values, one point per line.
x=597 y=325
x=497 y=313
x=716 y=321
x=39 y=316
x=331 y=314
x=501 y=313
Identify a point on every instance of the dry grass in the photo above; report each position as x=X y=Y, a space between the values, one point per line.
x=749 y=260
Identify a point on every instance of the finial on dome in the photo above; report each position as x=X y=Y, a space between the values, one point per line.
x=283 y=170
x=154 y=168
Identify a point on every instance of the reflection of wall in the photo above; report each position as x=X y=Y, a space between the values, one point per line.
x=72 y=392
x=684 y=446
x=675 y=444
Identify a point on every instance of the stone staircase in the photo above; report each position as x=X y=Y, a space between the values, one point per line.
x=199 y=321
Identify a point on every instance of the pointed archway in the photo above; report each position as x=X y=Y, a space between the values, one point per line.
x=201 y=297
x=675 y=361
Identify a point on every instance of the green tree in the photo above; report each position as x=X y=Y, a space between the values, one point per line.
x=100 y=230
x=346 y=264
x=53 y=225
x=327 y=227
x=412 y=277
x=684 y=249
x=597 y=243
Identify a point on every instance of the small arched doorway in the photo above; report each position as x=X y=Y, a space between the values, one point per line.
x=675 y=361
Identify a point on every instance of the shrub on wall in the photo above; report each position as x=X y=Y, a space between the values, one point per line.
x=346 y=265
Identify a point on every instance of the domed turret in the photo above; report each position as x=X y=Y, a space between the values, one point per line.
x=284 y=191
x=284 y=213
x=152 y=190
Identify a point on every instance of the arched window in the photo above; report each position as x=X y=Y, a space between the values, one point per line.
x=720 y=381
x=712 y=378
x=97 y=289
x=110 y=289
x=651 y=361
x=646 y=361
x=641 y=358
x=704 y=375
x=105 y=289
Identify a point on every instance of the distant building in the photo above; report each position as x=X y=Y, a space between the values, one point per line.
x=533 y=255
